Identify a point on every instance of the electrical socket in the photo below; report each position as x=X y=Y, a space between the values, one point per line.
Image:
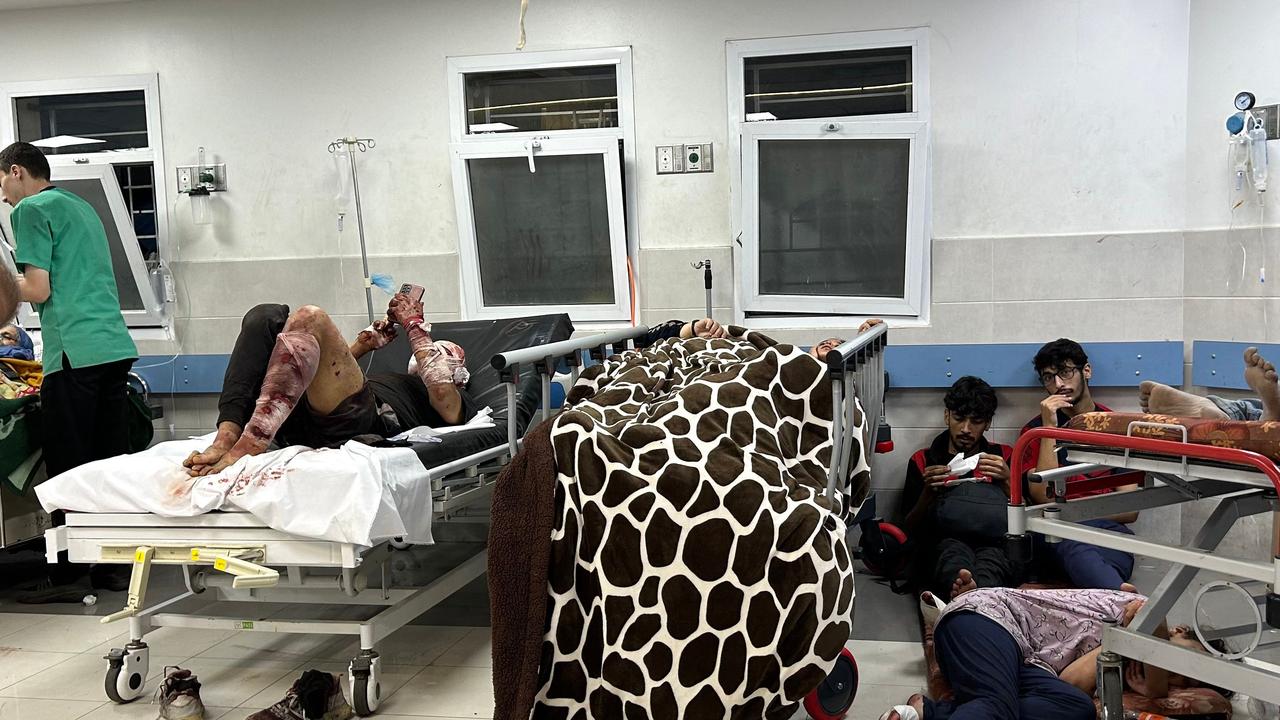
x=670 y=159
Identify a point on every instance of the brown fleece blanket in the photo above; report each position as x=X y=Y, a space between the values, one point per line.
x=518 y=572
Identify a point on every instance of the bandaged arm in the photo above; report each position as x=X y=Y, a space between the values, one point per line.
x=438 y=370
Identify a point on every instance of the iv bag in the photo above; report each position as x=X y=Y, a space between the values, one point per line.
x=345 y=198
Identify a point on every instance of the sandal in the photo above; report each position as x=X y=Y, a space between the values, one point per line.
x=930 y=608
x=905 y=712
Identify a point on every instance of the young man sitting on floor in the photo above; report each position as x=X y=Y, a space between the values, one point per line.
x=957 y=517
x=1258 y=373
x=293 y=375
x=1063 y=369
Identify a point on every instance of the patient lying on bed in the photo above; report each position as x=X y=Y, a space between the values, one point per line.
x=293 y=378
x=1258 y=373
x=708 y=328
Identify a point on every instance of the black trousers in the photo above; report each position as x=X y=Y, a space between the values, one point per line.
x=990 y=565
x=247 y=366
x=85 y=414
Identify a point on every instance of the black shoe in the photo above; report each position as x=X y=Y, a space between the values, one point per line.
x=110 y=577
x=314 y=696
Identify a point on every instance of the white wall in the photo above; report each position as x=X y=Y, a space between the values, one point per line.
x=1221 y=65
x=1032 y=135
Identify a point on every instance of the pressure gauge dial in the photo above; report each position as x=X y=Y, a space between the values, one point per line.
x=1244 y=101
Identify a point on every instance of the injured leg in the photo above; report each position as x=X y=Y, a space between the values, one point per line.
x=1261 y=377
x=291 y=368
x=1165 y=400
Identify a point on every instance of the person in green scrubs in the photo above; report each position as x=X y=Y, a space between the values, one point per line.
x=65 y=261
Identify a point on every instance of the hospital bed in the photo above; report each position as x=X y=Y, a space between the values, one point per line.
x=1176 y=472
x=233 y=556
x=856 y=371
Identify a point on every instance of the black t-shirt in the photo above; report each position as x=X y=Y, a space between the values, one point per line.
x=407 y=397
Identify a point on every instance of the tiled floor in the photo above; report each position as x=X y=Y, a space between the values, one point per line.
x=51 y=668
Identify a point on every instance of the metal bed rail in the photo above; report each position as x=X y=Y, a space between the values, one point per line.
x=858 y=364
x=545 y=358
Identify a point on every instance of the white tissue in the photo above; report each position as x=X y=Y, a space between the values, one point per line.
x=961 y=466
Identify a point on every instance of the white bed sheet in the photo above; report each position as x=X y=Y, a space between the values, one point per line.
x=354 y=494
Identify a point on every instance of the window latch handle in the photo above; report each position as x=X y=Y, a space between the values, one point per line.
x=531 y=146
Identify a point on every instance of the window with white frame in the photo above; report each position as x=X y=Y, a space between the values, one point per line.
x=102 y=139
x=542 y=144
x=831 y=173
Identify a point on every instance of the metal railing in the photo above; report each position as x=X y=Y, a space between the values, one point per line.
x=857 y=364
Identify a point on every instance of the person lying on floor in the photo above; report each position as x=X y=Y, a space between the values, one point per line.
x=293 y=378
x=709 y=328
x=1063 y=370
x=1032 y=655
x=1260 y=375
x=957 y=517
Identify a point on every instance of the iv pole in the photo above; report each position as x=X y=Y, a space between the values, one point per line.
x=363 y=145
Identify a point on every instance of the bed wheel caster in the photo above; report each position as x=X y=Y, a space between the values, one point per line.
x=127 y=671
x=365 y=675
x=1018 y=548
x=832 y=699
x=1111 y=686
x=1273 y=610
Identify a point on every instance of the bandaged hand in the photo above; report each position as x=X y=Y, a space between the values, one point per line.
x=445 y=363
x=377 y=335
x=404 y=310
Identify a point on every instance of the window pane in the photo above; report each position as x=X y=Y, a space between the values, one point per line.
x=544 y=99
x=119 y=119
x=833 y=217
x=92 y=191
x=543 y=237
x=832 y=84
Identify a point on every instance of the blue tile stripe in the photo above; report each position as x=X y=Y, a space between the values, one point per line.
x=1217 y=364
x=1007 y=365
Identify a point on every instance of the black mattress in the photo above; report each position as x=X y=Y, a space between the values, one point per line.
x=482 y=339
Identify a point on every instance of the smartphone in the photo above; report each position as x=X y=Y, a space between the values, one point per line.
x=413 y=291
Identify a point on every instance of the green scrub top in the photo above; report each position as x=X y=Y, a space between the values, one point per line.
x=59 y=232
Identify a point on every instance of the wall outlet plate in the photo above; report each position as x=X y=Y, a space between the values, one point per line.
x=697 y=158
x=1272 y=122
x=670 y=159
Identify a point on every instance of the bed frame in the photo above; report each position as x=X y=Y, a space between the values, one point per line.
x=1176 y=472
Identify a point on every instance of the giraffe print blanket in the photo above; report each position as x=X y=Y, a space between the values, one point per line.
x=696 y=569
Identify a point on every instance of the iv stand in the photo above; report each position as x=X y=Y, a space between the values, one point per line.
x=362 y=144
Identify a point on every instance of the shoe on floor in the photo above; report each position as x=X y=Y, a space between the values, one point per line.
x=314 y=696
x=179 y=695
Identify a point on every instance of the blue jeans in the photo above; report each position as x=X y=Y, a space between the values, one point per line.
x=984 y=666
x=1090 y=566
x=1248 y=409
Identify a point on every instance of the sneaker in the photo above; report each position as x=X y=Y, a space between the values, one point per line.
x=179 y=695
x=314 y=696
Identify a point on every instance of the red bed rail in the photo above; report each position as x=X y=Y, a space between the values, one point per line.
x=1259 y=462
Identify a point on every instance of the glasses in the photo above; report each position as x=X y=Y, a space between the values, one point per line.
x=1064 y=375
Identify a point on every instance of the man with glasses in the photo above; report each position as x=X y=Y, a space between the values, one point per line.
x=1064 y=372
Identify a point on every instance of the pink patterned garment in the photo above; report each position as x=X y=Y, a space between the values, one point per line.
x=1053 y=627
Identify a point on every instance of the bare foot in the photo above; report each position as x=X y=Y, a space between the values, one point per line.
x=246 y=445
x=1261 y=377
x=964 y=583
x=1164 y=400
x=1128 y=587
